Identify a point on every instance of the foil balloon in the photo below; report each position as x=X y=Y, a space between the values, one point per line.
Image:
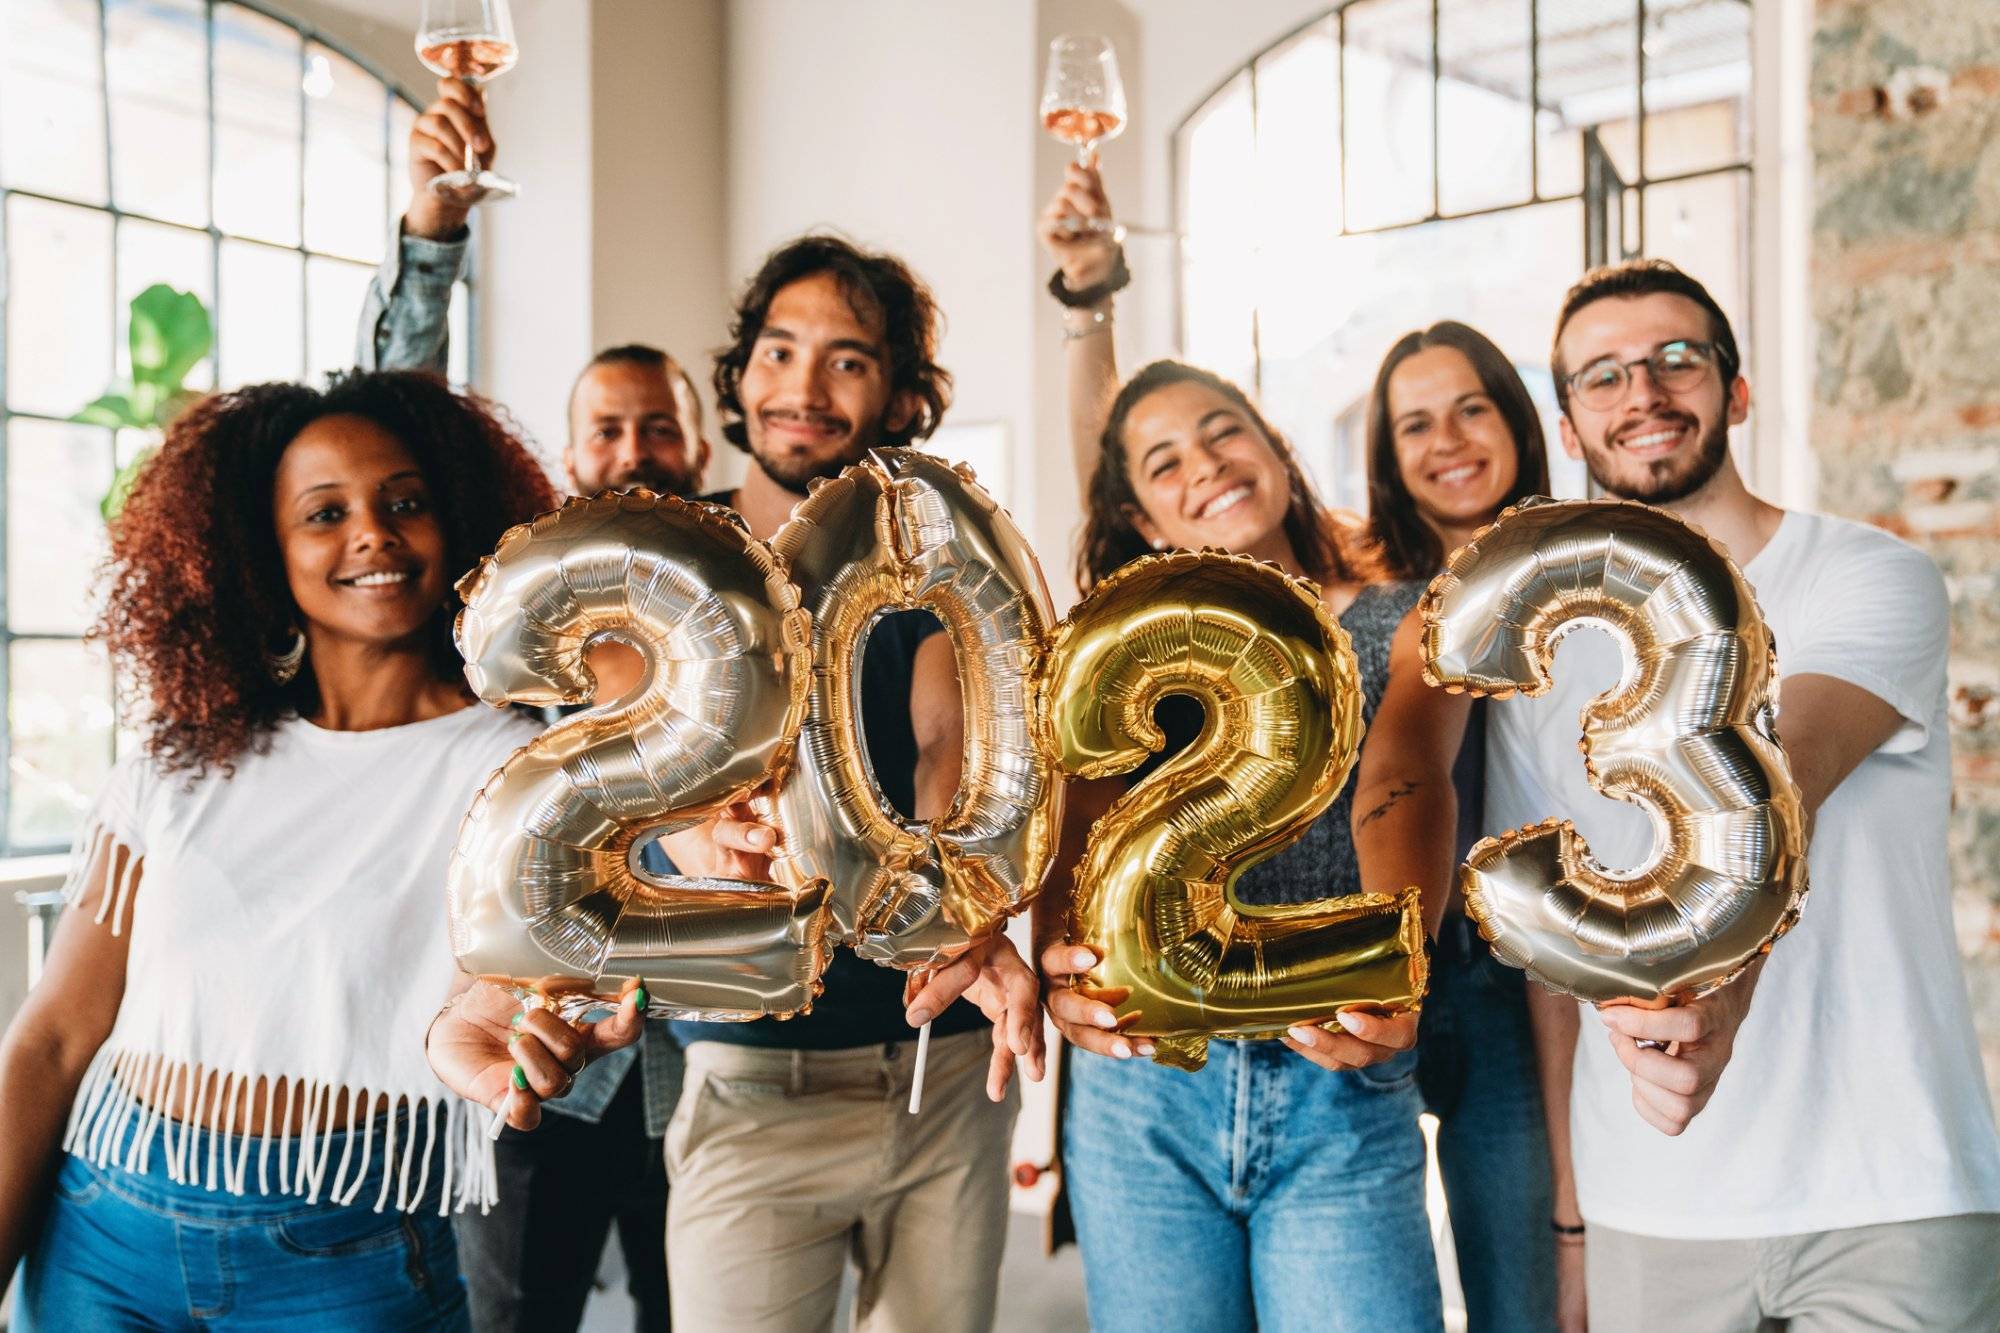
x=903 y=529
x=1687 y=735
x=1182 y=959
x=544 y=888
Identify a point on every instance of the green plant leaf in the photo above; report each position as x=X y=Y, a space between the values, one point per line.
x=121 y=485
x=170 y=333
x=114 y=410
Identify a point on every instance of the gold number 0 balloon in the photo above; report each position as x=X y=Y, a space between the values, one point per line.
x=905 y=529
x=1182 y=961
x=1687 y=735
x=542 y=887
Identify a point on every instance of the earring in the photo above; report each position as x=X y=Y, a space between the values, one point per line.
x=282 y=667
x=1159 y=544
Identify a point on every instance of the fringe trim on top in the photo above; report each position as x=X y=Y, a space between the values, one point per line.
x=122 y=1086
x=99 y=850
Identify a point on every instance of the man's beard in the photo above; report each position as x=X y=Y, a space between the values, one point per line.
x=1660 y=483
x=798 y=474
x=661 y=481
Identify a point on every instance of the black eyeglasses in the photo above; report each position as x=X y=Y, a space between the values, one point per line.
x=1676 y=366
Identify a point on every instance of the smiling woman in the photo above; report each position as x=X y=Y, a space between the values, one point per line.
x=257 y=948
x=232 y=544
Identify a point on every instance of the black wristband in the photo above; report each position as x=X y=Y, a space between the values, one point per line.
x=1117 y=280
x=1562 y=1230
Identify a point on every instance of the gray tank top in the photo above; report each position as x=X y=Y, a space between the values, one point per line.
x=1321 y=864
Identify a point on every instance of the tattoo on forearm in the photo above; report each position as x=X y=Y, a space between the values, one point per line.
x=1396 y=793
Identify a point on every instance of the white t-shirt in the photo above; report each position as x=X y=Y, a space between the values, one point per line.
x=288 y=925
x=1855 y=1095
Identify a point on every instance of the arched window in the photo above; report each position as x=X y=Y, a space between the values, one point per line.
x=1397 y=162
x=209 y=145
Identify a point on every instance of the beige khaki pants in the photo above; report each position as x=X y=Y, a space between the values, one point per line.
x=1940 y=1275
x=785 y=1163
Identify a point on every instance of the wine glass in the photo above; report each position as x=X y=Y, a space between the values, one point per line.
x=1083 y=101
x=471 y=40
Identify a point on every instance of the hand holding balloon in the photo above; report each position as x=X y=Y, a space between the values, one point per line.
x=1360 y=1039
x=1084 y=1020
x=1676 y=1056
x=487 y=1048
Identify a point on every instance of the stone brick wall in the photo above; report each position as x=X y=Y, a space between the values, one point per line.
x=1906 y=403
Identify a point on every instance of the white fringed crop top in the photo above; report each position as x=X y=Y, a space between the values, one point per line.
x=288 y=925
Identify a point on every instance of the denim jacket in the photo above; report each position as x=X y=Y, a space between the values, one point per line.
x=403 y=327
x=403 y=317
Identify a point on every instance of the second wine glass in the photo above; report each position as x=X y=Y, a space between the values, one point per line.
x=471 y=40
x=1083 y=101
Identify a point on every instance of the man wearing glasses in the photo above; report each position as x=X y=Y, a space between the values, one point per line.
x=1847 y=1173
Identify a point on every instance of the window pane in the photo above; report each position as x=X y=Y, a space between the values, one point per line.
x=158 y=60
x=1391 y=282
x=58 y=306
x=257 y=75
x=51 y=98
x=1703 y=225
x=59 y=703
x=1298 y=190
x=1483 y=116
x=1219 y=180
x=149 y=253
x=401 y=117
x=262 y=332
x=333 y=310
x=1590 y=72
x=1558 y=156
x=346 y=177
x=56 y=474
x=1386 y=82
x=1697 y=87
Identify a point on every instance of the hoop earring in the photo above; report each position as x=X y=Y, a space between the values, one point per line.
x=283 y=667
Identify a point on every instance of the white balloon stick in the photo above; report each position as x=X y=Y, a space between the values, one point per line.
x=917 y=1076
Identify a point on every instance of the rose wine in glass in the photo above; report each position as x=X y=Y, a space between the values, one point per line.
x=1083 y=100
x=471 y=40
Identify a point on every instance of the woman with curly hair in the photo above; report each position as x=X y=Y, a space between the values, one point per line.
x=216 y=1101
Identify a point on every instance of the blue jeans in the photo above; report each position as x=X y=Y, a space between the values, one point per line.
x=1476 y=1054
x=1261 y=1192
x=122 y=1250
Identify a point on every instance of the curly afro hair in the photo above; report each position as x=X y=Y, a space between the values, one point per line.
x=196 y=593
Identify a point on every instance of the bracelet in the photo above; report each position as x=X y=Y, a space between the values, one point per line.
x=1099 y=321
x=1116 y=280
x=1562 y=1230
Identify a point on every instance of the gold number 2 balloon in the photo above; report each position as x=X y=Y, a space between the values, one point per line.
x=1687 y=735
x=1182 y=960
x=904 y=529
x=543 y=887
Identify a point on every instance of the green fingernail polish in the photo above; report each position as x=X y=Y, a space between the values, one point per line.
x=518 y=1018
x=639 y=1000
x=520 y=1078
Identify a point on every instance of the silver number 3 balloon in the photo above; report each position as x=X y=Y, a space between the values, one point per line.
x=1687 y=734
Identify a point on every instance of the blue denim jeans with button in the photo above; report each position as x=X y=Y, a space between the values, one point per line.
x=120 y=1249
x=1476 y=1069
x=1262 y=1192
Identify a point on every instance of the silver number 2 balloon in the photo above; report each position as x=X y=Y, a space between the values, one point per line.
x=544 y=890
